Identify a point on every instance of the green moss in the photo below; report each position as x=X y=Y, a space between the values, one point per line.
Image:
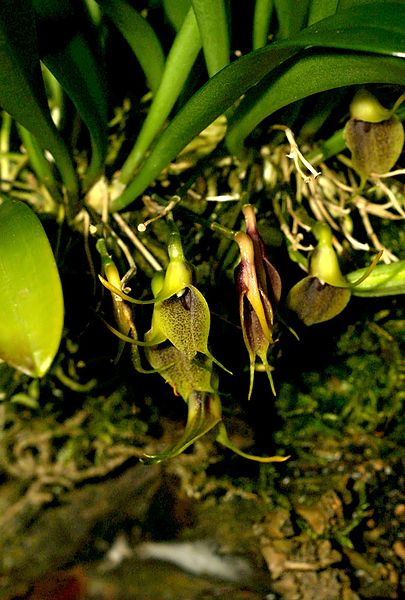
x=360 y=388
x=392 y=236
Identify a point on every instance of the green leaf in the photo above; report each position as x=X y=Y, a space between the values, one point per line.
x=384 y=280
x=31 y=301
x=213 y=25
x=175 y=11
x=141 y=38
x=213 y=99
x=345 y=4
x=316 y=72
x=261 y=22
x=291 y=16
x=39 y=163
x=70 y=58
x=320 y=9
x=378 y=29
x=22 y=92
x=179 y=63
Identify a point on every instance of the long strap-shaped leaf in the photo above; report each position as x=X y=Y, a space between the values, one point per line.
x=140 y=36
x=291 y=16
x=22 y=92
x=175 y=12
x=314 y=73
x=214 y=31
x=261 y=22
x=376 y=29
x=179 y=63
x=69 y=57
x=320 y=9
x=39 y=163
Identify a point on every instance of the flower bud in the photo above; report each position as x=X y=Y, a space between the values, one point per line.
x=268 y=276
x=258 y=283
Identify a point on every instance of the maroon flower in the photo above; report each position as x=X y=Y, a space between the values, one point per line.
x=258 y=284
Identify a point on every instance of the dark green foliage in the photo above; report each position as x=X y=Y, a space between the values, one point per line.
x=358 y=389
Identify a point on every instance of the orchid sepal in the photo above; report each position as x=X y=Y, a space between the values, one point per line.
x=223 y=439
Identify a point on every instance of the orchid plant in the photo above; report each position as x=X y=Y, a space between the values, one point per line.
x=116 y=141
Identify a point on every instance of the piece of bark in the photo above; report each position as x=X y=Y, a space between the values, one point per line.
x=60 y=533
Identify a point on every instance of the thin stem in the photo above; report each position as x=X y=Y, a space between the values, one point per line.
x=137 y=242
x=225 y=231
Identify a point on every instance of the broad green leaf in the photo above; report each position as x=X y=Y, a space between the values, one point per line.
x=376 y=29
x=179 y=63
x=31 y=301
x=314 y=73
x=20 y=74
x=140 y=36
x=320 y=9
x=345 y=4
x=214 y=31
x=22 y=92
x=70 y=58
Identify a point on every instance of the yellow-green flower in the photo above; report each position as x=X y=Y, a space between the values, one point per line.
x=181 y=314
x=373 y=134
x=176 y=346
x=324 y=293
